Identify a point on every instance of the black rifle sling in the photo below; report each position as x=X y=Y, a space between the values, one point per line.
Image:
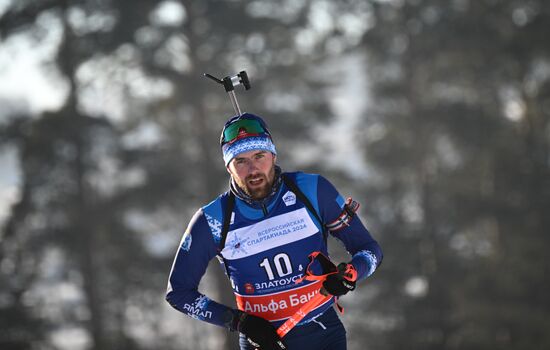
x=229 y=206
x=302 y=197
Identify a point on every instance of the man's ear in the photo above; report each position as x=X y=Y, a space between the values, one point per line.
x=228 y=170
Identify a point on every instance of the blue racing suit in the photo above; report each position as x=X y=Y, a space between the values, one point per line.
x=266 y=251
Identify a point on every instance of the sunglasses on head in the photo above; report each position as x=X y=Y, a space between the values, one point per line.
x=242 y=128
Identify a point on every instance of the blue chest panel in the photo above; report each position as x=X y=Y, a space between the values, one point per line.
x=265 y=256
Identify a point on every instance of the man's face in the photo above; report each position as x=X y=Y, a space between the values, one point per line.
x=254 y=172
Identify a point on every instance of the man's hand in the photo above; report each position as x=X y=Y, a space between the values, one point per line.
x=259 y=332
x=342 y=282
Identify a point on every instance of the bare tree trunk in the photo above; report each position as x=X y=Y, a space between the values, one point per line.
x=87 y=238
x=88 y=265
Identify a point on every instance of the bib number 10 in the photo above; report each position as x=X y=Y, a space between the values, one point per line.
x=282 y=266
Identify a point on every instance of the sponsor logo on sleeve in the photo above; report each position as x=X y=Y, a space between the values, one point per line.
x=199 y=308
x=186 y=243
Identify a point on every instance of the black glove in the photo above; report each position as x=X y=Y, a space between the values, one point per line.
x=259 y=332
x=336 y=284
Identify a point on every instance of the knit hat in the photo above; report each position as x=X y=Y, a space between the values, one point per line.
x=243 y=133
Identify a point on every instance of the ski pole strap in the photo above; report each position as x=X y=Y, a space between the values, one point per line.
x=293 y=320
x=322 y=296
x=327 y=267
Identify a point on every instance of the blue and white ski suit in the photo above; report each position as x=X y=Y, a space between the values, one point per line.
x=266 y=251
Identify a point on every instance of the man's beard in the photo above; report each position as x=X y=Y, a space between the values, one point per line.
x=262 y=191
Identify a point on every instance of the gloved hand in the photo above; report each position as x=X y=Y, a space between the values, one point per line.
x=340 y=283
x=259 y=332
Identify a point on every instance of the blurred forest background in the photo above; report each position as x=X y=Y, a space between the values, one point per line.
x=433 y=114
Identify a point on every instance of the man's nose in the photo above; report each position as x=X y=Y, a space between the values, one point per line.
x=252 y=167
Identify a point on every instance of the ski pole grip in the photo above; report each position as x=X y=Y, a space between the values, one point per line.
x=350 y=273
